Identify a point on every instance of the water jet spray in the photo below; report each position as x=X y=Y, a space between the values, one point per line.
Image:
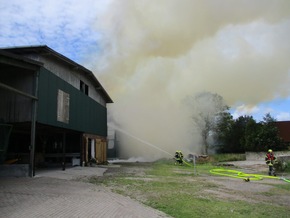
x=138 y=139
x=150 y=144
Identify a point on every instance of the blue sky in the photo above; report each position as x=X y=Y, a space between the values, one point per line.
x=71 y=28
x=278 y=108
x=65 y=26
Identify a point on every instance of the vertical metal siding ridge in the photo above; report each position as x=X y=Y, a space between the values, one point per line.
x=86 y=115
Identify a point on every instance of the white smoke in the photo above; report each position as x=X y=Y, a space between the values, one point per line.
x=157 y=52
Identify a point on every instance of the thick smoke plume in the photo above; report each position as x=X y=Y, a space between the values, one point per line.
x=155 y=53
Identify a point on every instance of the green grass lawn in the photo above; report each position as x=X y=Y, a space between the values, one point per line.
x=176 y=191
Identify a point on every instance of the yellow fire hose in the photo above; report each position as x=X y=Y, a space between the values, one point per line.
x=245 y=176
x=240 y=175
x=187 y=163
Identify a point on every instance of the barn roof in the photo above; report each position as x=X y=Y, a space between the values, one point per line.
x=44 y=49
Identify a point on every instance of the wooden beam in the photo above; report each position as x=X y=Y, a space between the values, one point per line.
x=10 y=88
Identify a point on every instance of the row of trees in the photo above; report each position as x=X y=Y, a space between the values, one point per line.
x=245 y=134
x=212 y=117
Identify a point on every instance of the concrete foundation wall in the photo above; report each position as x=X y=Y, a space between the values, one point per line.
x=285 y=155
x=17 y=170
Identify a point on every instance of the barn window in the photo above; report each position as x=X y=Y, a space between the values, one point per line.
x=63 y=106
x=84 y=88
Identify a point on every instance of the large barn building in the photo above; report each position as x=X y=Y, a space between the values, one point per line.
x=53 y=111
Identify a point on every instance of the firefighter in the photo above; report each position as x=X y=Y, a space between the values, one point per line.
x=178 y=157
x=270 y=160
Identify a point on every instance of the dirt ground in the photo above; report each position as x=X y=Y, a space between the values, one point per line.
x=224 y=187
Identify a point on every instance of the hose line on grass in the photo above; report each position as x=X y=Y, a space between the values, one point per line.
x=188 y=164
x=244 y=176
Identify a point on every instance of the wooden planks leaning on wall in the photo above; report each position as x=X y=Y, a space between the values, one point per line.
x=100 y=148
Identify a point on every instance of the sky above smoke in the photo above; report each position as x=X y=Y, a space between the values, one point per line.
x=150 y=55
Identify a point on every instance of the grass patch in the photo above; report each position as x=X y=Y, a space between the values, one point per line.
x=176 y=191
x=283 y=187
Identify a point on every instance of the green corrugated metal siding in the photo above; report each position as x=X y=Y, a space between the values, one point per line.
x=85 y=115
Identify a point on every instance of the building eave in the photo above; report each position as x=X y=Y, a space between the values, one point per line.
x=44 y=49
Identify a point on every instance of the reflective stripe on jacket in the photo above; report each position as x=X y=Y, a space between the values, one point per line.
x=270 y=159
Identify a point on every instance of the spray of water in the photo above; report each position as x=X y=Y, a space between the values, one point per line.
x=139 y=139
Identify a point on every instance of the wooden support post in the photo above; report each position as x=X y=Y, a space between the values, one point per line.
x=63 y=150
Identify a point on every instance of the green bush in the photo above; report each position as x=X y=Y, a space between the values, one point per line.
x=282 y=166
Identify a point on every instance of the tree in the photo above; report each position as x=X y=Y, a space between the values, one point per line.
x=223 y=132
x=230 y=133
x=245 y=134
x=263 y=135
x=251 y=138
x=207 y=107
x=269 y=134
